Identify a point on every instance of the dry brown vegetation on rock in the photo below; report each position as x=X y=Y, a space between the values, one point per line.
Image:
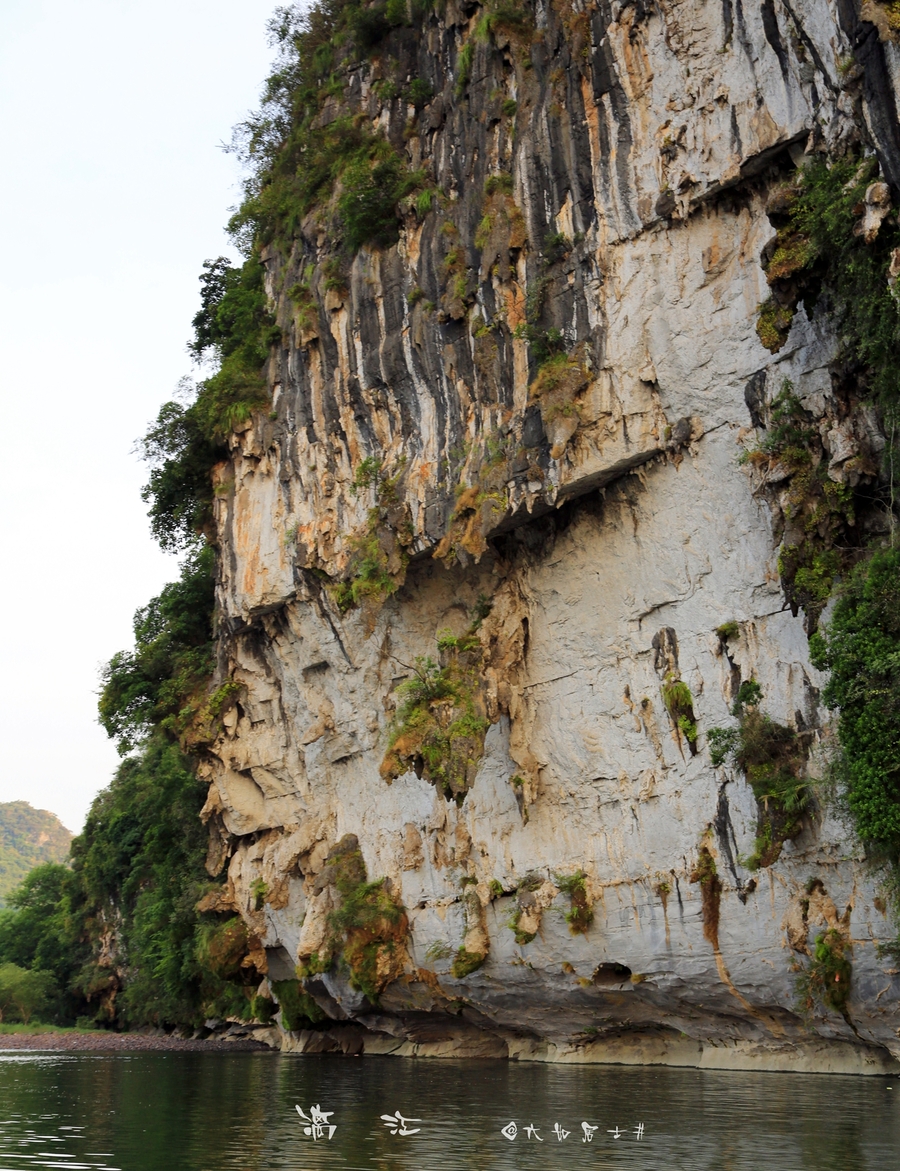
x=706 y=873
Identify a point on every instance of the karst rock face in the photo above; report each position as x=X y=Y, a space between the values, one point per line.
x=578 y=534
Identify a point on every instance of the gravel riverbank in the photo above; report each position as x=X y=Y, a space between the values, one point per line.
x=101 y=1041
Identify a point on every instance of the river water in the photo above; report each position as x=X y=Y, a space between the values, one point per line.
x=211 y=1112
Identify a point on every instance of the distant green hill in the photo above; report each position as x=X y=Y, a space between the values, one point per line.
x=27 y=837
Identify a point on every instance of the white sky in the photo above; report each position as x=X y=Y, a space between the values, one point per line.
x=113 y=193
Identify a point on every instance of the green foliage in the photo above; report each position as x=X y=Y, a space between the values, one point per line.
x=368 y=474
x=366 y=929
x=827 y=978
x=377 y=565
x=680 y=706
x=749 y=695
x=259 y=890
x=371 y=188
x=556 y=246
x=136 y=876
x=296 y=162
x=235 y=329
x=233 y=320
x=426 y=201
x=819 y=513
x=504 y=16
x=139 y=861
x=386 y=90
x=28 y=837
x=464 y=643
x=728 y=630
x=162 y=681
x=581 y=914
x=546 y=345
x=179 y=491
x=371 y=922
x=773 y=759
x=439 y=724
x=861 y=649
x=723 y=742
x=523 y=938
x=370 y=568
x=502 y=182
x=463 y=69
x=262 y=1009
x=819 y=250
x=24 y=993
x=298 y=1009
x=222 y=946
x=419 y=92
x=465 y=963
x=41 y=930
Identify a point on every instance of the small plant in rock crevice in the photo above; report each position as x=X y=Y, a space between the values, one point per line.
x=259 y=891
x=826 y=980
x=773 y=759
x=439 y=726
x=523 y=938
x=820 y=251
x=817 y=515
x=378 y=553
x=680 y=706
x=439 y=950
x=465 y=963
x=525 y=889
x=581 y=914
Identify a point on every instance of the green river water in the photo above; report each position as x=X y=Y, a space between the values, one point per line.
x=211 y=1112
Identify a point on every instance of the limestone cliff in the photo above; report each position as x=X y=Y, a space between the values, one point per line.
x=491 y=566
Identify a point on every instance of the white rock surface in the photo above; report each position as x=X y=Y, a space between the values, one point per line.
x=636 y=538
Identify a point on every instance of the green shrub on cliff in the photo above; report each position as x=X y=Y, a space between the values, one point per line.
x=773 y=759
x=821 y=252
x=861 y=650
x=296 y=162
x=235 y=329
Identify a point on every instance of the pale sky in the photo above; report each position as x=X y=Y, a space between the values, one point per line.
x=114 y=191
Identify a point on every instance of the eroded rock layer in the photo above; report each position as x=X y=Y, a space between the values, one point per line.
x=517 y=432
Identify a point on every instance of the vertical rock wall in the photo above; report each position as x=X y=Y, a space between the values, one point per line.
x=564 y=540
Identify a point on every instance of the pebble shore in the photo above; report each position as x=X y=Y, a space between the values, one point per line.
x=105 y=1042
